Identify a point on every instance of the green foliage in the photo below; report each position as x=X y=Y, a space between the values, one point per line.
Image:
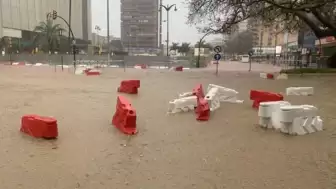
x=224 y=15
x=183 y=48
x=203 y=45
x=309 y=70
x=48 y=35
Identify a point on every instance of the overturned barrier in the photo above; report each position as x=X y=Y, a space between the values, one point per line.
x=39 y=126
x=202 y=110
x=226 y=94
x=125 y=117
x=129 y=86
x=213 y=99
x=304 y=91
x=263 y=96
x=290 y=119
x=267 y=75
x=184 y=104
x=196 y=91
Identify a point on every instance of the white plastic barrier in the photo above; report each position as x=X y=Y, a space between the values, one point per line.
x=282 y=76
x=305 y=91
x=293 y=120
x=38 y=64
x=300 y=120
x=213 y=98
x=268 y=114
x=263 y=75
x=80 y=71
x=182 y=104
x=226 y=94
x=186 y=94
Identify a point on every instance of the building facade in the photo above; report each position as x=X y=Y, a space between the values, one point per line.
x=139 y=26
x=20 y=16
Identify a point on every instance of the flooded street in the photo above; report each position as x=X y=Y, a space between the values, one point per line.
x=170 y=151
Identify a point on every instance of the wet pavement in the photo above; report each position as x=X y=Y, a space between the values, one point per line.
x=170 y=151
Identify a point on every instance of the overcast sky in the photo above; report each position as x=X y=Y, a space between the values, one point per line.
x=179 y=30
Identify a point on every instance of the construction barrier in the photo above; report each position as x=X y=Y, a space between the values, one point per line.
x=304 y=91
x=226 y=94
x=18 y=63
x=125 y=117
x=267 y=75
x=140 y=66
x=289 y=119
x=212 y=97
x=263 y=96
x=198 y=91
x=282 y=76
x=179 y=68
x=202 y=110
x=268 y=114
x=182 y=104
x=129 y=86
x=92 y=72
x=39 y=126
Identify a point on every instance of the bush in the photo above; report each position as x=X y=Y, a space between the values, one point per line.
x=309 y=70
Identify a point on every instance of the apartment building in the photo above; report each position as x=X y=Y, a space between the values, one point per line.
x=139 y=26
x=19 y=17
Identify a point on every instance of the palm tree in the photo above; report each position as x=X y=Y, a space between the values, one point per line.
x=48 y=34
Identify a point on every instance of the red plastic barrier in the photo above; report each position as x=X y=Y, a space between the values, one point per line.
x=22 y=64
x=39 y=126
x=125 y=116
x=198 y=91
x=179 y=68
x=263 y=96
x=92 y=72
x=202 y=110
x=143 y=66
x=270 y=76
x=129 y=86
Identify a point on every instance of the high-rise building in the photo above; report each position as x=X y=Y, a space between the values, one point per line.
x=18 y=18
x=139 y=26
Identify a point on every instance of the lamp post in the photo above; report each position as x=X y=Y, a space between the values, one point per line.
x=168 y=8
x=108 y=30
x=98 y=29
x=69 y=36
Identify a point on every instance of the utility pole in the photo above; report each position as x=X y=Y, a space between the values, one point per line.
x=168 y=8
x=69 y=37
x=160 y=28
x=108 y=30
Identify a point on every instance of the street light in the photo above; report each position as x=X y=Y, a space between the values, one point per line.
x=168 y=8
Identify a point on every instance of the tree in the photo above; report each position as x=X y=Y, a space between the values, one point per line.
x=184 y=48
x=203 y=45
x=318 y=15
x=175 y=46
x=48 y=35
x=241 y=43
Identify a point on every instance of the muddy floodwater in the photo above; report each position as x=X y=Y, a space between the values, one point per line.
x=229 y=151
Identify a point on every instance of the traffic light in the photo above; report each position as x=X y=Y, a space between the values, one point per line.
x=54 y=15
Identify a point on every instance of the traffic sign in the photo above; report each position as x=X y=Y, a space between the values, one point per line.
x=217 y=57
x=250 y=53
x=218 y=49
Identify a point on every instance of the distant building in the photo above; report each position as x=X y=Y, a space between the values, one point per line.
x=139 y=25
x=19 y=17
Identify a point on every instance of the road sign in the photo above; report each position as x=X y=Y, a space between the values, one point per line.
x=217 y=57
x=218 y=49
x=250 y=53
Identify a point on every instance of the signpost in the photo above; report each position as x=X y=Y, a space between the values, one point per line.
x=218 y=49
x=217 y=57
x=250 y=59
